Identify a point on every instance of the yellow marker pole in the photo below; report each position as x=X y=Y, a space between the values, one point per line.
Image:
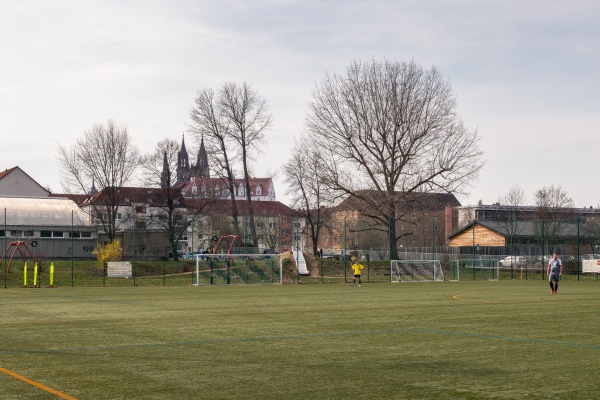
x=51 y=274
x=25 y=275
x=35 y=275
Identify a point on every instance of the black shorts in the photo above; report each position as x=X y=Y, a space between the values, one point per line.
x=357 y=275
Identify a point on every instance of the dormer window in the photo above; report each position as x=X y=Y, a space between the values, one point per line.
x=194 y=190
x=258 y=190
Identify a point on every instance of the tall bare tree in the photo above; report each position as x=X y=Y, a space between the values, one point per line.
x=391 y=127
x=307 y=189
x=209 y=122
x=233 y=121
x=249 y=119
x=175 y=213
x=104 y=157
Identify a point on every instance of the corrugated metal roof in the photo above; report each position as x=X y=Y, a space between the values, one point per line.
x=41 y=211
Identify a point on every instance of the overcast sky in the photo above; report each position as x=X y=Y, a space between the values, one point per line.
x=525 y=73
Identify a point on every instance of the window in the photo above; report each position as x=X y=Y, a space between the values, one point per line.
x=28 y=234
x=119 y=216
x=16 y=234
x=194 y=190
x=2 y=232
x=75 y=234
x=45 y=234
x=86 y=234
x=258 y=190
x=57 y=234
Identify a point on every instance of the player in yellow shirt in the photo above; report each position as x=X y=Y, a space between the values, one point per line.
x=357 y=268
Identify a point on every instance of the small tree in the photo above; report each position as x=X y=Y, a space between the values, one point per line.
x=553 y=205
x=307 y=189
x=172 y=213
x=105 y=157
x=512 y=200
x=108 y=252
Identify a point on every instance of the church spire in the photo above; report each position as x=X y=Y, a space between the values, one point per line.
x=183 y=163
x=165 y=176
x=202 y=169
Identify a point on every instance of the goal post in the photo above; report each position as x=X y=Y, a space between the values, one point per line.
x=236 y=269
x=475 y=270
x=416 y=271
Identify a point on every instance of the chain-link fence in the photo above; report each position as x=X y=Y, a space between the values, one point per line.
x=89 y=273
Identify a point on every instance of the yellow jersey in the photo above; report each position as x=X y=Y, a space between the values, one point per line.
x=357 y=268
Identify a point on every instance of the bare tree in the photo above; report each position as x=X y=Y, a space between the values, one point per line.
x=512 y=200
x=209 y=122
x=391 y=128
x=105 y=157
x=553 y=205
x=233 y=121
x=307 y=189
x=268 y=228
x=551 y=199
x=174 y=213
x=249 y=118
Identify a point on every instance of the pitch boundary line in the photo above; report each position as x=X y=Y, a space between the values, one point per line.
x=37 y=384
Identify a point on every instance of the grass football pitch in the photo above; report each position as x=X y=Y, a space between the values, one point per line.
x=450 y=340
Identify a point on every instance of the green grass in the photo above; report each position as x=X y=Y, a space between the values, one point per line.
x=451 y=340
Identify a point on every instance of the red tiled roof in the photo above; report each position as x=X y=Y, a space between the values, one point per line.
x=408 y=201
x=223 y=207
x=6 y=172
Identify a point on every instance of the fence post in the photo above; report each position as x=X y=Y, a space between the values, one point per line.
x=578 y=241
x=543 y=250
x=4 y=248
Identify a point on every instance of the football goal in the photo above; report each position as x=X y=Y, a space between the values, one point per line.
x=416 y=271
x=474 y=270
x=235 y=269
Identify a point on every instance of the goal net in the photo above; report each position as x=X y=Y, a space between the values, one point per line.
x=416 y=271
x=236 y=269
x=475 y=270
